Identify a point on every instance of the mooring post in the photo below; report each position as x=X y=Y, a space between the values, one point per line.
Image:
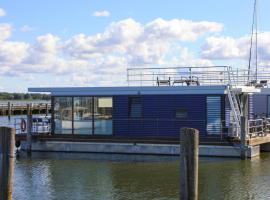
x=243 y=145
x=9 y=110
x=29 y=128
x=7 y=141
x=47 y=111
x=189 y=153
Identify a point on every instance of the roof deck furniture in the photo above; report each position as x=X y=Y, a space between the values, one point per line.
x=182 y=80
x=165 y=82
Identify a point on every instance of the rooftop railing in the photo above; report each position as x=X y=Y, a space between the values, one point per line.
x=188 y=76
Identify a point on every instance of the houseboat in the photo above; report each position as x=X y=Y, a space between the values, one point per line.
x=147 y=117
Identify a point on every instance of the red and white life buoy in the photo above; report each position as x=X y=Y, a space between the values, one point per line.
x=23 y=125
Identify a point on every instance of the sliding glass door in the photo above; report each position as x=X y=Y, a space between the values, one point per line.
x=82 y=115
x=103 y=115
x=62 y=115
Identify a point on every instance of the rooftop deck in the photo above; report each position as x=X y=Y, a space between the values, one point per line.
x=190 y=76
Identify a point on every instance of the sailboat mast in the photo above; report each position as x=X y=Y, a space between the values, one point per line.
x=254 y=26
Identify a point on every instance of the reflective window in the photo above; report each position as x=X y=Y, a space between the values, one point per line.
x=63 y=115
x=181 y=113
x=82 y=115
x=86 y=115
x=135 y=107
x=103 y=115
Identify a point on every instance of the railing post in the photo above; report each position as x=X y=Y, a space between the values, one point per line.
x=7 y=141
x=189 y=146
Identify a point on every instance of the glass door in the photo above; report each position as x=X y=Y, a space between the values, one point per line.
x=103 y=115
x=62 y=115
x=83 y=115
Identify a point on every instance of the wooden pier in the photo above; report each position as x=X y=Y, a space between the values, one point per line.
x=259 y=140
x=10 y=108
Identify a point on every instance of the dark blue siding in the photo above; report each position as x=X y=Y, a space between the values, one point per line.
x=158 y=115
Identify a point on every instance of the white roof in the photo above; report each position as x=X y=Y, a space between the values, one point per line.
x=108 y=91
x=265 y=91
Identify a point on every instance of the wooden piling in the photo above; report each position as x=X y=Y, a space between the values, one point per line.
x=46 y=109
x=189 y=164
x=29 y=128
x=9 y=110
x=7 y=141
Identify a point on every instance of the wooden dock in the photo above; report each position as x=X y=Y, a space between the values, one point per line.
x=259 y=140
x=10 y=108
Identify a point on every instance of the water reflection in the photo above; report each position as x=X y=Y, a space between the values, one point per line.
x=121 y=177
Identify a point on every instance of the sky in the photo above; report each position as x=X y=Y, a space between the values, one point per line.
x=92 y=43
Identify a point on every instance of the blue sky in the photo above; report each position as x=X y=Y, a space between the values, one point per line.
x=72 y=37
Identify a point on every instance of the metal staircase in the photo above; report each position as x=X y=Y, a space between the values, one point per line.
x=234 y=104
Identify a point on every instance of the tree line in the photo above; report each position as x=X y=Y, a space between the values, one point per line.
x=23 y=96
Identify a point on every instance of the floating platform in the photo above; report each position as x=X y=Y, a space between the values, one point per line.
x=143 y=147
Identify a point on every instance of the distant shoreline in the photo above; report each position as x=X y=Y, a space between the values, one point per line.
x=20 y=97
x=25 y=100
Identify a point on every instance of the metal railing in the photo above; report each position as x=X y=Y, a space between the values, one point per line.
x=24 y=104
x=256 y=127
x=39 y=125
x=151 y=75
x=267 y=126
x=208 y=75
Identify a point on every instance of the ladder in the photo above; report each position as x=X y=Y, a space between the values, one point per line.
x=235 y=109
x=234 y=104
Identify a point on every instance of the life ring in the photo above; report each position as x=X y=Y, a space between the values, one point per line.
x=23 y=125
x=18 y=143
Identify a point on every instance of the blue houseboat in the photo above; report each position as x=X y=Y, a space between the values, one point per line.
x=150 y=111
x=155 y=109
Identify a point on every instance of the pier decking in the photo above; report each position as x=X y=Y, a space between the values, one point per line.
x=259 y=140
x=16 y=108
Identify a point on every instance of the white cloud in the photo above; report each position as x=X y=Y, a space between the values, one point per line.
x=102 y=13
x=235 y=48
x=141 y=43
x=102 y=58
x=184 y=30
x=2 y=12
x=116 y=38
x=13 y=52
x=5 y=31
x=47 y=43
x=185 y=57
x=27 y=28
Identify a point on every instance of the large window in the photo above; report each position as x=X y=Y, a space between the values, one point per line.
x=103 y=115
x=63 y=115
x=135 y=107
x=83 y=115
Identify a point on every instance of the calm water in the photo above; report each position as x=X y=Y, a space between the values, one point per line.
x=122 y=177
x=58 y=176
